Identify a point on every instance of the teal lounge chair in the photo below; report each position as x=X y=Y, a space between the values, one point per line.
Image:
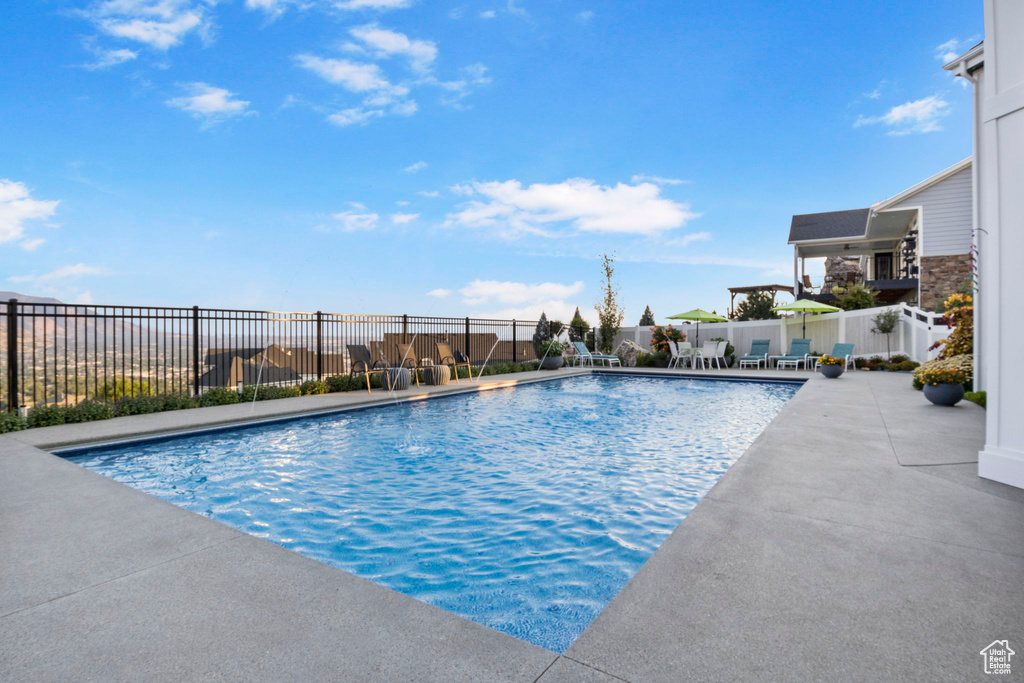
x=844 y=351
x=587 y=357
x=758 y=354
x=799 y=350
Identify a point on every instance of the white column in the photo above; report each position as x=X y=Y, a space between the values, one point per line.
x=1001 y=177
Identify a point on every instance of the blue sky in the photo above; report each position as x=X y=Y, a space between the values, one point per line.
x=454 y=158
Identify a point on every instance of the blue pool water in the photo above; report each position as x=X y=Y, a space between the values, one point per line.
x=523 y=509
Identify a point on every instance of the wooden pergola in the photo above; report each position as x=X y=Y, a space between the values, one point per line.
x=773 y=289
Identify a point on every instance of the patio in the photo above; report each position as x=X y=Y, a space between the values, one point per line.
x=852 y=541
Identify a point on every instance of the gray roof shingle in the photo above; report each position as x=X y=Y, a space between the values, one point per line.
x=828 y=225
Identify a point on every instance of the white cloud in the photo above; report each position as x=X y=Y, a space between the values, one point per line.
x=578 y=203
x=63 y=273
x=439 y=293
x=432 y=195
x=350 y=221
x=347 y=117
x=489 y=14
x=384 y=43
x=919 y=116
x=402 y=202
x=32 y=245
x=372 y=4
x=17 y=207
x=657 y=180
x=687 y=240
x=160 y=24
x=354 y=76
x=108 y=58
x=950 y=50
x=209 y=104
x=403 y=218
x=415 y=168
x=512 y=8
x=521 y=300
x=585 y=16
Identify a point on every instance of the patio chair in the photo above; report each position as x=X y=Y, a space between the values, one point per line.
x=844 y=351
x=674 y=360
x=707 y=355
x=454 y=360
x=759 y=349
x=407 y=359
x=685 y=353
x=360 y=362
x=587 y=357
x=799 y=351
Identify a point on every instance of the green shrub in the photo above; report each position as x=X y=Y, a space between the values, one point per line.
x=43 y=415
x=263 y=392
x=976 y=397
x=345 y=383
x=877 y=360
x=137 y=405
x=860 y=363
x=904 y=366
x=87 y=411
x=175 y=402
x=217 y=396
x=10 y=422
x=111 y=391
x=312 y=387
x=550 y=347
x=899 y=358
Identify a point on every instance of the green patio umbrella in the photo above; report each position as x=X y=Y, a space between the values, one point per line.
x=806 y=306
x=698 y=316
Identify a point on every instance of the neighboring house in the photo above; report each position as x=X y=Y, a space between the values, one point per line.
x=913 y=247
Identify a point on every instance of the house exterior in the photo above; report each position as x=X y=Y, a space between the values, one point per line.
x=914 y=247
x=996 y=70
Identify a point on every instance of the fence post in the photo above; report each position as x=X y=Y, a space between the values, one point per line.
x=405 y=328
x=12 y=355
x=467 y=337
x=515 y=345
x=195 y=350
x=319 y=346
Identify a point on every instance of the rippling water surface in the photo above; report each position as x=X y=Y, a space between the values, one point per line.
x=523 y=509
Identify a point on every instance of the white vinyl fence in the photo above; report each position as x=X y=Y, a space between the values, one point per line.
x=916 y=331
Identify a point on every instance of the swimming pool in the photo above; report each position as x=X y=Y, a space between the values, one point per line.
x=525 y=509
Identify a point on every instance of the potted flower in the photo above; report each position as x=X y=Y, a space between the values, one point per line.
x=943 y=386
x=831 y=366
x=551 y=354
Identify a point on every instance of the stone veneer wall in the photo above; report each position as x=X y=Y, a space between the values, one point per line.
x=942 y=276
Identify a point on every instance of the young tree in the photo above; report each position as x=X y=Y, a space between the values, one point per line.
x=647 y=319
x=757 y=306
x=609 y=313
x=885 y=323
x=578 y=327
x=541 y=333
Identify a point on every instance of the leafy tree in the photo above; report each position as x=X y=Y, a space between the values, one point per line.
x=647 y=319
x=609 y=313
x=757 y=306
x=579 y=327
x=885 y=323
x=855 y=297
x=541 y=333
x=111 y=391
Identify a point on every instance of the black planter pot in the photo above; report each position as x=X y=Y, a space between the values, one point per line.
x=831 y=371
x=552 y=362
x=944 y=394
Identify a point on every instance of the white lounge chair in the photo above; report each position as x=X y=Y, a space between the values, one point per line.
x=707 y=355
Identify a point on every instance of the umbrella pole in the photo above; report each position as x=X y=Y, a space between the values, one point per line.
x=803 y=332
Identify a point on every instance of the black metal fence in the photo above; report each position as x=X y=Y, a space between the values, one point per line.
x=65 y=353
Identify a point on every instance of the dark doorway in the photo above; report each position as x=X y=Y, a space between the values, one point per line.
x=883 y=266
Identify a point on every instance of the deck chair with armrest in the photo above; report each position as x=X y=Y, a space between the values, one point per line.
x=360 y=362
x=759 y=349
x=407 y=359
x=587 y=357
x=454 y=360
x=844 y=351
x=799 y=351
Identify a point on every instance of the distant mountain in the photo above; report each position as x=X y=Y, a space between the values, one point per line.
x=7 y=296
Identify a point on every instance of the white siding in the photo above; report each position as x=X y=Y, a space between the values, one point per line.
x=946 y=215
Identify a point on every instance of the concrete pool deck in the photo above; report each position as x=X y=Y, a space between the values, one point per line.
x=853 y=541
